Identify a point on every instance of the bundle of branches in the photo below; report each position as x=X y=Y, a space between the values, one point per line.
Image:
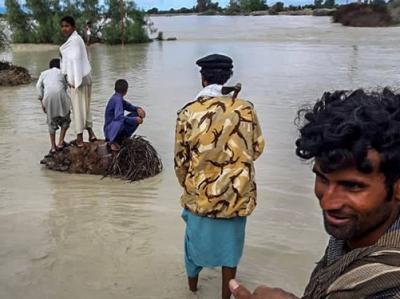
x=363 y=15
x=5 y=65
x=136 y=160
x=13 y=75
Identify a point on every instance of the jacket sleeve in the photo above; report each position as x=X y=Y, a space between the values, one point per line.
x=258 y=139
x=129 y=107
x=182 y=150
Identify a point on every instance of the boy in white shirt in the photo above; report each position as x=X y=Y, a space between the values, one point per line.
x=55 y=102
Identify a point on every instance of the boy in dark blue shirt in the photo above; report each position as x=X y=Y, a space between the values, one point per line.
x=117 y=126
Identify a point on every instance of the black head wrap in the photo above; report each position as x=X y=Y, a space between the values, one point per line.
x=216 y=68
x=215 y=61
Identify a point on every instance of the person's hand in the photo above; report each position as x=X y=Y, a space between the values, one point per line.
x=238 y=87
x=141 y=112
x=139 y=120
x=43 y=107
x=262 y=292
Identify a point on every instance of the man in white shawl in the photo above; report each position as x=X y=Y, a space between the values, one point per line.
x=76 y=67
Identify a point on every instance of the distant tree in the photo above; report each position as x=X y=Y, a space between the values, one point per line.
x=71 y=8
x=329 y=4
x=46 y=27
x=153 y=10
x=202 y=5
x=394 y=10
x=294 y=7
x=233 y=7
x=19 y=22
x=125 y=23
x=277 y=7
x=4 y=42
x=378 y=2
x=206 y=5
x=90 y=11
x=185 y=10
x=318 y=3
x=252 y=5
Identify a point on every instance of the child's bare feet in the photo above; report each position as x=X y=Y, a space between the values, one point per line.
x=92 y=136
x=62 y=145
x=79 y=141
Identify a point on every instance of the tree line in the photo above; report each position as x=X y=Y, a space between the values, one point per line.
x=247 y=6
x=204 y=6
x=243 y=7
x=38 y=21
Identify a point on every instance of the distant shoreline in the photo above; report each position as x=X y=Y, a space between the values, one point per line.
x=300 y=12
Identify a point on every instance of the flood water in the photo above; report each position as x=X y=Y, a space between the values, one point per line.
x=80 y=236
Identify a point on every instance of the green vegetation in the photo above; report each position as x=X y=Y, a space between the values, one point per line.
x=39 y=20
x=394 y=9
x=19 y=22
x=3 y=38
x=126 y=23
x=206 y=6
x=211 y=7
x=319 y=8
x=248 y=5
x=238 y=7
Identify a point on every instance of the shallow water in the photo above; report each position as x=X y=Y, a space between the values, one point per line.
x=76 y=236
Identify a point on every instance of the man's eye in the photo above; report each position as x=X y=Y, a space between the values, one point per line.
x=353 y=185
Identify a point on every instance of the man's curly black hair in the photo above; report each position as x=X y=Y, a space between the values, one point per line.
x=342 y=126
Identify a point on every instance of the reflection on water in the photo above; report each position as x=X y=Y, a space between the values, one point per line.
x=66 y=236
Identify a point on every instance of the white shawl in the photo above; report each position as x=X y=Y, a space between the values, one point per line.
x=74 y=61
x=213 y=90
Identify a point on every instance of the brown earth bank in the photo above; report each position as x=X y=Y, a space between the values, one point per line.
x=11 y=75
x=136 y=160
x=363 y=15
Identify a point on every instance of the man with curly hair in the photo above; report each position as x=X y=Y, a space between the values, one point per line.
x=353 y=139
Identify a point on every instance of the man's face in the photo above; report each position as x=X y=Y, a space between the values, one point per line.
x=355 y=205
x=67 y=28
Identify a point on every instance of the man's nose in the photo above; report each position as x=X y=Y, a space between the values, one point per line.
x=331 y=198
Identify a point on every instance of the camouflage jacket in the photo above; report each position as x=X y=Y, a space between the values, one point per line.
x=217 y=140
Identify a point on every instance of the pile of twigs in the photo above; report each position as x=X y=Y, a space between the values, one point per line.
x=136 y=160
